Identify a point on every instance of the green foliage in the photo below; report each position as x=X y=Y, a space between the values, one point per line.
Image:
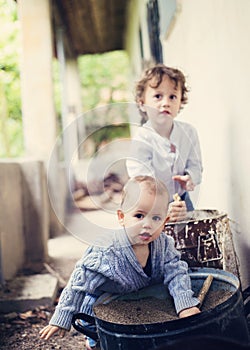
x=104 y=79
x=11 y=142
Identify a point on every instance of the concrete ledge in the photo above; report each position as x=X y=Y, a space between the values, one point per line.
x=27 y=292
x=12 y=246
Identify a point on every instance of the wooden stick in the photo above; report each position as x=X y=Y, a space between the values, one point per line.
x=176 y=197
x=204 y=289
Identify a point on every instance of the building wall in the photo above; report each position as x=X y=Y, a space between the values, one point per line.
x=12 y=246
x=209 y=41
x=24 y=224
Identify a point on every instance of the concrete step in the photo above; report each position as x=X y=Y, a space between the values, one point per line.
x=28 y=292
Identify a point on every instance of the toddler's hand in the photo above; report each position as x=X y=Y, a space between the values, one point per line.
x=48 y=331
x=177 y=211
x=189 y=312
x=185 y=181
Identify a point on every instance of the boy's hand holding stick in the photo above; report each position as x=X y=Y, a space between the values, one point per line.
x=176 y=197
x=177 y=209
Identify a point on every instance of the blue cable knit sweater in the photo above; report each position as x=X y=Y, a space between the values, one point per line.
x=115 y=269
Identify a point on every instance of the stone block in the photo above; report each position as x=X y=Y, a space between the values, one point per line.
x=28 y=292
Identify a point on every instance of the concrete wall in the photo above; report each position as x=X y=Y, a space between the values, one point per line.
x=11 y=220
x=209 y=41
x=35 y=208
x=24 y=223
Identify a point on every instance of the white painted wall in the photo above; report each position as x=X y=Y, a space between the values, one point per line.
x=209 y=41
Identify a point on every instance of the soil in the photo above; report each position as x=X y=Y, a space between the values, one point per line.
x=21 y=331
x=142 y=311
x=150 y=310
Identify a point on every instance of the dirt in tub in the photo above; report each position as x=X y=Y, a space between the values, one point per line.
x=151 y=310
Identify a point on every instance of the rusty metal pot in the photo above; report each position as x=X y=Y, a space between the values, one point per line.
x=200 y=237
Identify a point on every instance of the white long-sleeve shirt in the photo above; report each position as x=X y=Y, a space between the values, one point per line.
x=154 y=155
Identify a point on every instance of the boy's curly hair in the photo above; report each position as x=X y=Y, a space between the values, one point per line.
x=157 y=73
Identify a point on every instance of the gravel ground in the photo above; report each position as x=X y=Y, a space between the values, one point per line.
x=21 y=331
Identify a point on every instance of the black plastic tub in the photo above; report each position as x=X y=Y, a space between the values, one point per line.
x=226 y=320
